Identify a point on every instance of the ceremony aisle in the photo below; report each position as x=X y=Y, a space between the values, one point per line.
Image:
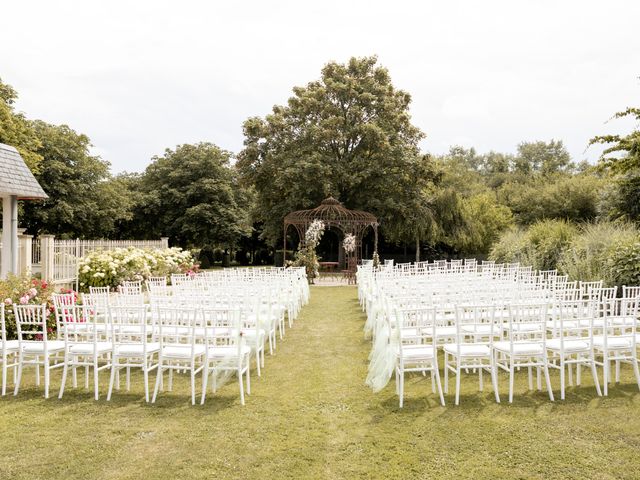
x=311 y=415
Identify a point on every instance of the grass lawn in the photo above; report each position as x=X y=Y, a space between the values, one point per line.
x=311 y=416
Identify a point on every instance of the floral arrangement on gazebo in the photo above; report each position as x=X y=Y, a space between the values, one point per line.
x=306 y=255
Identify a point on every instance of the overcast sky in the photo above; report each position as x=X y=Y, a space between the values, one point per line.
x=140 y=76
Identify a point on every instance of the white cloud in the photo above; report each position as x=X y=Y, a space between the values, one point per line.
x=138 y=77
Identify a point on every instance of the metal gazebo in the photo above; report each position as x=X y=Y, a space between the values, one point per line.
x=336 y=215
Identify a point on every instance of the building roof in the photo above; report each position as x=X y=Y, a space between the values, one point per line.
x=15 y=176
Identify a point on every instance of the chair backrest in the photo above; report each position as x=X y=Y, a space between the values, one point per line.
x=129 y=324
x=587 y=287
x=416 y=325
x=178 y=326
x=475 y=324
x=85 y=314
x=155 y=282
x=100 y=291
x=61 y=300
x=630 y=292
x=98 y=302
x=3 y=327
x=130 y=288
x=31 y=322
x=527 y=321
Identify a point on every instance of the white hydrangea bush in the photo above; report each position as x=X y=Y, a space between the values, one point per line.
x=109 y=268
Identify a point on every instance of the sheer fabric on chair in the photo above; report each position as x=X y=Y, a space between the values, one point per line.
x=417 y=348
x=227 y=352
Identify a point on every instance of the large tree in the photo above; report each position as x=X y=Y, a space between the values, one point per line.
x=621 y=160
x=16 y=130
x=83 y=199
x=191 y=194
x=348 y=134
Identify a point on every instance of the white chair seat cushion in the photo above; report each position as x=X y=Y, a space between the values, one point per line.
x=11 y=346
x=519 y=348
x=570 y=344
x=75 y=327
x=264 y=317
x=523 y=327
x=38 y=347
x=628 y=321
x=480 y=329
x=412 y=352
x=613 y=342
x=252 y=332
x=221 y=352
x=182 y=351
x=130 y=329
x=136 y=349
x=597 y=322
x=478 y=350
x=443 y=331
x=88 y=348
x=211 y=331
x=555 y=324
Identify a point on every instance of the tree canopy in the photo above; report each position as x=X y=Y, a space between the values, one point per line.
x=348 y=134
x=192 y=195
x=16 y=130
x=82 y=200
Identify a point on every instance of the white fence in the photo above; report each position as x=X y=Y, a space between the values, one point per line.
x=57 y=260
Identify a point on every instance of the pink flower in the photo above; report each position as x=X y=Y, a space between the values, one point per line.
x=8 y=301
x=24 y=299
x=33 y=292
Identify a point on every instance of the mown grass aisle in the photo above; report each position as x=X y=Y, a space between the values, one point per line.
x=311 y=416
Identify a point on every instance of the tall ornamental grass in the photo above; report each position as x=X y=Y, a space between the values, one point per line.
x=608 y=251
x=540 y=246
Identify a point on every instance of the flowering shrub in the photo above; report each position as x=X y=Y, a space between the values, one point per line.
x=24 y=290
x=349 y=243
x=109 y=268
x=376 y=260
x=306 y=254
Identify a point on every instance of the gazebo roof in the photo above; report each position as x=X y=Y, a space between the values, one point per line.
x=16 y=178
x=331 y=212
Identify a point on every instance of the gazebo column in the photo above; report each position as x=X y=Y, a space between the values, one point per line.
x=9 y=235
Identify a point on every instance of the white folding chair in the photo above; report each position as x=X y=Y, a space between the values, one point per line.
x=132 y=344
x=472 y=349
x=86 y=347
x=179 y=349
x=417 y=348
x=34 y=346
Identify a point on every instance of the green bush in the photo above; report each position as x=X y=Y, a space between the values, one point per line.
x=624 y=264
x=511 y=247
x=547 y=240
x=540 y=246
x=205 y=257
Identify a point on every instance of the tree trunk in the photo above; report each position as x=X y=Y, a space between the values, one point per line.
x=417 y=249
